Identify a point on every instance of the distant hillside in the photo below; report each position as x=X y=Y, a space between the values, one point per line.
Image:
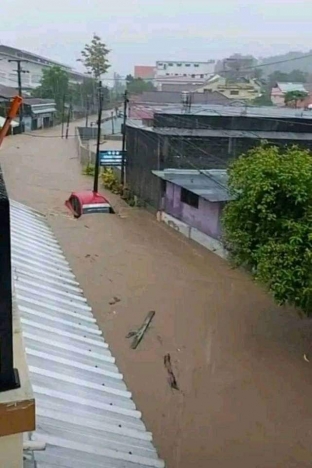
x=304 y=64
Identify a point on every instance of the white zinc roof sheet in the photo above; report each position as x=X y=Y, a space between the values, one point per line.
x=289 y=87
x=12 y=124
x=85 y=413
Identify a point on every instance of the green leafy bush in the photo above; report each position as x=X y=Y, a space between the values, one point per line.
x=268 y=225
x=88 y=169
x=110 y=181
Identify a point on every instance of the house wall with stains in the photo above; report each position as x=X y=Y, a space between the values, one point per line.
x=206 y=218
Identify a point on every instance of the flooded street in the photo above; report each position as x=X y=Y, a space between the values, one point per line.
x=244 y=397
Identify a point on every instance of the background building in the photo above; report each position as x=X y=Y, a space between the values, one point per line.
x=179 y=68
x=196 y=198
x=207 y=137
x=182 y=76
x=38 y=113
x=144 y=106
x=33 y=64
x=243 y=89
x=144 y=72
x=280 y=90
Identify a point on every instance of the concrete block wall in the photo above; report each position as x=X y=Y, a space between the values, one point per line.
x=194 y=234
x=85 y=155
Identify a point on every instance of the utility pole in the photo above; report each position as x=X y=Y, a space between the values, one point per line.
x=20 y=89
x=68 y=119
x=63 y=115
x=123 y=156
x=98 y=142
x=87 y=111
x=112 y=118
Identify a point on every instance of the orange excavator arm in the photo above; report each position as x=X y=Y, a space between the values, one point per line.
x=15 y=105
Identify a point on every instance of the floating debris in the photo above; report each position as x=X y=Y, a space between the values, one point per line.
x=171 y=377
x=139 y=333
x=114 y=300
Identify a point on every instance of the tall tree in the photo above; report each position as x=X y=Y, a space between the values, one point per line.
x=138 y=86
x=94 y=57
x=54 y=84
x=84 y=93
x=268 y=225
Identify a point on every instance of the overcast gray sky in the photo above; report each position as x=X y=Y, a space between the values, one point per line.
x=143 y=31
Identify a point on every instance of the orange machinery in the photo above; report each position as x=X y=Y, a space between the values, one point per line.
x=13 y=111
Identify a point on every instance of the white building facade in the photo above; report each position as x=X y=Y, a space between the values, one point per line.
x=182 y=76
x=32 y=64
x=199 y=70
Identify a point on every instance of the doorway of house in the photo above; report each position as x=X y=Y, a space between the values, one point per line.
x=46 y=122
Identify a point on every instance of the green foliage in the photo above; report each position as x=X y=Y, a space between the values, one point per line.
x=94 y=57
x=138 y=86
x=295 y=76
x=263 y=100
x=54 y=84
x=268 y=225
x=85 y=93
x=295 y=96
x=88 y=169
x=110 y=181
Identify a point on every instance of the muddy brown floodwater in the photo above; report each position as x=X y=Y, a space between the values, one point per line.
x=244 y=397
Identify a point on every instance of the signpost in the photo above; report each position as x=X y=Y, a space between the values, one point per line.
x=112 y=158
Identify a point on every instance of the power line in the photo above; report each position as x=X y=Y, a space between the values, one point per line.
x=178 y=153
x=153 y=135
x=274 y=119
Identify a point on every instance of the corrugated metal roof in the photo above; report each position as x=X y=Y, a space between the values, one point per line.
x=243 y=111
x=85 y=412
x=42 y=110
x=12 y=124
x=8 y=92
x=175 y=97
x=207 y=133
x=209 y=184
x=39 y=101
x=288 y=87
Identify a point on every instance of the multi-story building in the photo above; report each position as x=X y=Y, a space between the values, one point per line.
x=244 y=89
x=32 y=64
x=182 y=76
x=187 y=69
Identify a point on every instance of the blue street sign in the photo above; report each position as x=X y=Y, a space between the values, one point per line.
x=111 y=157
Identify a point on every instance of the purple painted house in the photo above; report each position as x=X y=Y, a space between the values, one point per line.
x=195 y=198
